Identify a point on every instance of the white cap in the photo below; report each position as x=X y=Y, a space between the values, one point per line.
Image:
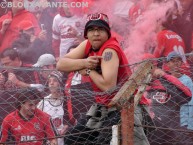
x=45 y=59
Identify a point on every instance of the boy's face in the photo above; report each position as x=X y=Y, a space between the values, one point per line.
x=54 y=85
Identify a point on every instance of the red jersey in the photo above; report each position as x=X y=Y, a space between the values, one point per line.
x=12 y=31
x=21 y=130
x=135 y=13
x=168 y=41
x=123 y=72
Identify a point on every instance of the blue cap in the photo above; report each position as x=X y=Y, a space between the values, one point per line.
x=175 y=54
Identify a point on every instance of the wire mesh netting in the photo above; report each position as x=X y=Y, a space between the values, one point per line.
x=162 y=116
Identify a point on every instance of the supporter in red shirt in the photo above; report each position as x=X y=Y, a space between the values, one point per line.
x=11 y=79
x=27 y=124
x=9 y=24
x=100 y=58
x=136 y=11
x=167 y=40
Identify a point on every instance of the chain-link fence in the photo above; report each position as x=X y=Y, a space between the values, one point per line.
x=152 y=106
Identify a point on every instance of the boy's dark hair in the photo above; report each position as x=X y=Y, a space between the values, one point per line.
x=9 y=52
x=25 y=95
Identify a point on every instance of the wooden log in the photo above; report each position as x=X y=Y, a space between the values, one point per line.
x=129 y=88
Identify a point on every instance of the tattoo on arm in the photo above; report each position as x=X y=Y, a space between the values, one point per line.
x=108 y=56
